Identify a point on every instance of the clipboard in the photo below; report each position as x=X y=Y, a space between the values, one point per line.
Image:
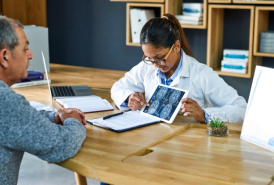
x=123 y=122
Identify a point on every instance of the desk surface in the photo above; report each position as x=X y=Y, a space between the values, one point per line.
x=178 y=153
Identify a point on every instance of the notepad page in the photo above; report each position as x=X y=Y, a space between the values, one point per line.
x=127 y=120
x=89 y=105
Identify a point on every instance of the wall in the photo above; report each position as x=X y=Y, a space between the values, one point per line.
x=91 y=33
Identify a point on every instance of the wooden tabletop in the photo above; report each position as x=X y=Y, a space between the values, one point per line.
x=178 y=153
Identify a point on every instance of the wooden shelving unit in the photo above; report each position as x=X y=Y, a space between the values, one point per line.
x=253 y=2
x=139 y=5
x=261 y=25
x=214 y=21
x=215 y=39
x=219 y=1
x=140 y=1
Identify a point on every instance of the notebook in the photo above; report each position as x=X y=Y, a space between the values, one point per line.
x=124 y=121
x=66 y=91
x=86 y=104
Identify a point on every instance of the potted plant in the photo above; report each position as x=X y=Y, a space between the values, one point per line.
x=217 y=125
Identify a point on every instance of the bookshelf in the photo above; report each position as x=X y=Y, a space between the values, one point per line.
x=214 y=22
x=215 y=39
x=261 y=25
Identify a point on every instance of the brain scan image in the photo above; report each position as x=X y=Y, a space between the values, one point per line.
x=161 y=93
x=166 y=111
x=153 y=107
x=174 y=96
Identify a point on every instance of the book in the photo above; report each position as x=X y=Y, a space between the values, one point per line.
x=33 y=75
x=86 y=104
x=267 y=35
x=124 y=121
x=191 y=22
x=193 y=9
x=235 y=54
x=31 y=83
x=234 y=66
x=188 y=18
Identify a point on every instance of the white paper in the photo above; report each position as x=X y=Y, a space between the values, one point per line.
x=125 y=121
x=40 y=106
x=86 y=104
x=258 y=127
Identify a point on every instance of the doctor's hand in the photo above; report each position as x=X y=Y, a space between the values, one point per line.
x=191 y=108
x=136 y=100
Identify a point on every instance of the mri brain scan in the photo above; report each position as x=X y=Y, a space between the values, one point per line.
x=166 y=111
x=161 y=93
x=153 y=107
x=174 y=96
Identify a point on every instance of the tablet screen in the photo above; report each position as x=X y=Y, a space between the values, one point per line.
x=164 y=102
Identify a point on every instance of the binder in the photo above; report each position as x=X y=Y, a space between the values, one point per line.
x=124 y=121
x=138 y=18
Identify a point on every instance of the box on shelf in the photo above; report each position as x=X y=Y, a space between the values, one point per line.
x=193 y=9
x=234 y=61
x=267 y=35
x=138 y=18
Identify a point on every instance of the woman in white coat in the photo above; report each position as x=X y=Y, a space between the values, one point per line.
x=168 y=60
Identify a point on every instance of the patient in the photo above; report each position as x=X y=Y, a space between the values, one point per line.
x=51 y=136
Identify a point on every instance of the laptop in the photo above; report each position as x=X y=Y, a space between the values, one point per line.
x=66 y=91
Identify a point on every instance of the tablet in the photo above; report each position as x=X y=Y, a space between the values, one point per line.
x=165 y=103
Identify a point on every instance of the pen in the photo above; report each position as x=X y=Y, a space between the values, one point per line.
x=110 y=116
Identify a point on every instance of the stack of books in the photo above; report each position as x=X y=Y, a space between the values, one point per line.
x=192 y=14
x=235 y=61
x=267 y=42
x=33 y=78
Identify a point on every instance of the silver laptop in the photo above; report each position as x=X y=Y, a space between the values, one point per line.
x=66 y=91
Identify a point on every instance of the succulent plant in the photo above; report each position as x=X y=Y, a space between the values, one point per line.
x=216 y=122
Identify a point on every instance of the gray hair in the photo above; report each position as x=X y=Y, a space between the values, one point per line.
x=8 y=36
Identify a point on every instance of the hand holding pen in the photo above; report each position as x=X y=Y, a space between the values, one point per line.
x=136 y=100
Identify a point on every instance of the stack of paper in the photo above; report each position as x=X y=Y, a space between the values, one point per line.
x=235 y=61
x=267 y=42
x=192 y=14
x=86 y=103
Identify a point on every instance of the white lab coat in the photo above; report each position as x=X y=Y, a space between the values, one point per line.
x=205 y=86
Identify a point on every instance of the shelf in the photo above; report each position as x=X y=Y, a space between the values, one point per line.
x=161 y=7
x=140 y=1
x=219 y=1
x=215 y=39
x=252 y=2
x=261 y=25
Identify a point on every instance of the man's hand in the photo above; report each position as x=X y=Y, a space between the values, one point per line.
x=61 y=115
x=136 y=100
x=191 y=108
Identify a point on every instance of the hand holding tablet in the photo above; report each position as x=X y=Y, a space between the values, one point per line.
x=165 y=103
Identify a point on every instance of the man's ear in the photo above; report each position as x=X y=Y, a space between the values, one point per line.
x=4 y=56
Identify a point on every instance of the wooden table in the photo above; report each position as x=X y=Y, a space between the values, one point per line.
x=178 y=153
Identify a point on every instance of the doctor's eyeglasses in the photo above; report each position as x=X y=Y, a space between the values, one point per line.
x=158 y=62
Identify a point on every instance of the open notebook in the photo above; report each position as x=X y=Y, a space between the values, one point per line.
x=86 y=103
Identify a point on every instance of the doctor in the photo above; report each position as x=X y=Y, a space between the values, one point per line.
x=168 y=60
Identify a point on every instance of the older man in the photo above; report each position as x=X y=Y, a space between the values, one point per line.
x=52 y=136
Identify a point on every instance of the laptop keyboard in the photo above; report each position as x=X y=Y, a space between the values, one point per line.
x=63 y=91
